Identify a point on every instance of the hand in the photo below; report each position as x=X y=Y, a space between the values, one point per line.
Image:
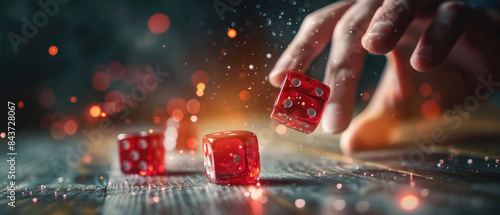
x=456 y=36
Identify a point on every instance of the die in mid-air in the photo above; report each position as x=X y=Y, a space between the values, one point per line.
x=300 y=103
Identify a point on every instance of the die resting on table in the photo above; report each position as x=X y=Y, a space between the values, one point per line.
x=300 y=103
x=231 y=157
x=141 y=153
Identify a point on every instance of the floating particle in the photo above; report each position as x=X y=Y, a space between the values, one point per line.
x=20 y=104
x=35 y=200
x=268 y=55
x=441 y=161
x=244 y=95
x=339 y=186
x=73 y=99
x=2 y=135
x=251 y=66
x=53 y=50
x=469 y=161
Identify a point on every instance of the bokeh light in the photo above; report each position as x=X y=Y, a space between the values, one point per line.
x=244 y=95
x=430 y=109
x=57 y=130
x=158 y=115
x=425 y=90
x=47 y=97
x=87 y=159
x=409 y=202
x=177 y=115
x=115 y=70
x=2 y=135
x=192 y=143
x=20 y=104
x=103 y=114
x=199 y=76
x=365 y=96
x=281 y=129
x=53 y=50
x=114 y=102
x=241 y=75
x=158 y=23
x=95 y=111
x=231 y=33
x=175 y=103
x=200 y=93
x=100 y=81
x=300 y=203
x=70 y=127
x=193 y=106
x=73 y=99
x=200 y=86
x=194 y=118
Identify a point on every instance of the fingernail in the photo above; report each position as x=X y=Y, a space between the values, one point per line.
x=334 y=118
x=425 y=51
x=382 y=28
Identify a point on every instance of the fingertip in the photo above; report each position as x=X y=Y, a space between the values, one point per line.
x=335 y=119
x=376 y=44
x=276 y=78
x=421 y=63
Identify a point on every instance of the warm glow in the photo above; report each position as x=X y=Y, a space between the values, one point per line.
x=73 y=99
x=409 y=202
x=244 y=95
x=103 y=114
x=70 y=127
x=150 y=131
x=300 y=203
x=175 y=103
x=158 y=23
x=425 y=90
x=20 y=104
x=95 y=111
x=231 y=33
x=200 y=86
x=53 y=50
x=2 y=135
x=177 y=115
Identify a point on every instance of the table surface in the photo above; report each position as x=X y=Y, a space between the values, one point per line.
x=311 y=169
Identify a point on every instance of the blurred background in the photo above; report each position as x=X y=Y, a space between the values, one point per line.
x=128 y=66
x=137 y=64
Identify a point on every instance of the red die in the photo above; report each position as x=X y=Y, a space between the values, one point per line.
x=231 y=157
x=300 y=103
x=141 y=153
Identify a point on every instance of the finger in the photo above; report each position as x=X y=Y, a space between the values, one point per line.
x=390 y=23
x=314 y=34
x=345 y=64
x=441 y=35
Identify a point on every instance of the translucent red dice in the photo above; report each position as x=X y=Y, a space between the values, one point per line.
x=300 y=103
x=141 y=153
x=231 y=157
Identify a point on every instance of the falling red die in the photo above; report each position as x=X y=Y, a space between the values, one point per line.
x=300 y=103
x=141 y=153
x=231 y=157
